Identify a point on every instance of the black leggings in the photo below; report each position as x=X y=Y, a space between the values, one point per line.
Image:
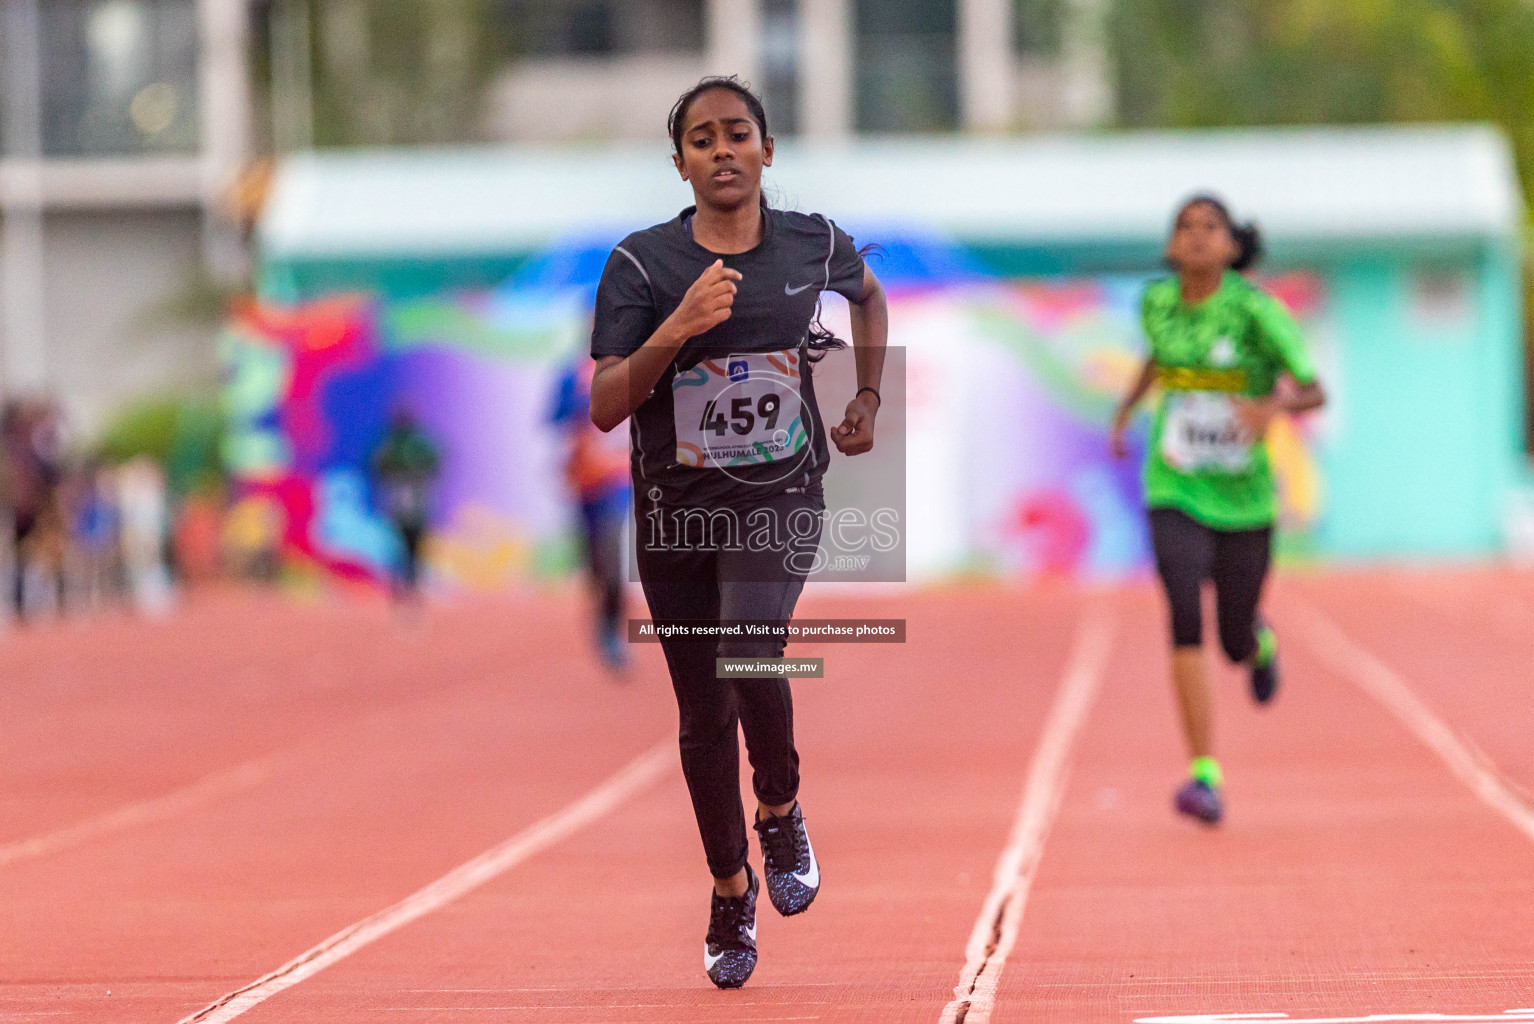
x=412 y=534
x=604 y=563
x=718 y=578
x=25 y=524
x=1187 y=554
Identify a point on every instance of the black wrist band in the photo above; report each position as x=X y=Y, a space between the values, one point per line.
x=875 y=392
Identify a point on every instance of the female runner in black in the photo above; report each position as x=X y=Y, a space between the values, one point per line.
x=705 y=334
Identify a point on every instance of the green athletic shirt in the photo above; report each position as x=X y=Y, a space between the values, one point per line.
x=1234 y=343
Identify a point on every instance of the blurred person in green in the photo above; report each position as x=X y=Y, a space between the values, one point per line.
x=1228 y=359
x=405 y=464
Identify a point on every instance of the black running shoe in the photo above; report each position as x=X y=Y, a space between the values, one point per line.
x=729 y=951
x=1265 y=664
x=1200 y=800
x=793 y=874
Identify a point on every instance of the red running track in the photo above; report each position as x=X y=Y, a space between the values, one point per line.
x=188 y=805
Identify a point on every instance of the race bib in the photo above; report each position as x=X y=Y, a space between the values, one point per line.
x=1201 y=433
x=738 y=411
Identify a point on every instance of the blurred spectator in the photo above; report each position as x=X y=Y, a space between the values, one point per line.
x=143 y=505
x=182 y=435
x=597 y=471
x=404 y=464
x=30 y=442
x=195 y=540
x=96 y=528
x=252 y=538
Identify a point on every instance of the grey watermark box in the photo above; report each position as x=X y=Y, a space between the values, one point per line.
x=859 y=536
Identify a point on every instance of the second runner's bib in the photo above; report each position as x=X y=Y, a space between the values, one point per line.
x=1201 y=433
x=741 y=410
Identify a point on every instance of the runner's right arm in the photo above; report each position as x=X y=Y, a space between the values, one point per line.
x=1142 y=384
x=622 y=383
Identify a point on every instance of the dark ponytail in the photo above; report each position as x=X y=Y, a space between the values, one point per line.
x=1248 y=237
x=820 y=338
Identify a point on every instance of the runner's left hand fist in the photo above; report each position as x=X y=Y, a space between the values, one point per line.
x=855 y=434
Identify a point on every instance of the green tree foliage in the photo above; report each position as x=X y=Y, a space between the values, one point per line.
x=1193 y=63
x=1036 y=26
x=391 y=72
x=383 y=72
x=182 y=434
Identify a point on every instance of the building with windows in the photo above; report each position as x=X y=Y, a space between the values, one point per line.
x=124 y=124
x=827 y=69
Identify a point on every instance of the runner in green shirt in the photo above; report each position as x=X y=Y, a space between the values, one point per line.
x=1228 y=359
x=404 y=464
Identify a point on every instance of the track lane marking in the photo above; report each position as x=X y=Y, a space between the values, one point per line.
x=1373 y=1018
x=638 y=775
x=1465 y=761
x=238 y=779
x=227 y=782
x=995 y=931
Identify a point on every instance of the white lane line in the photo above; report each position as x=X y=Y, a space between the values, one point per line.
x=996 y=928
x=225 y=783
x=1385 y=685
x=637 y=776
x=1506 y=1017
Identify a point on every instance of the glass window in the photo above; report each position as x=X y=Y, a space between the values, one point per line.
x=1036 y=25
x=906 y=65
x=590 y=30
x=780 y=65
x=119 y=77
x=574 y=28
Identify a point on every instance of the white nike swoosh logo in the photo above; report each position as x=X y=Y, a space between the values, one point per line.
x=811 y=878
x=710 y=959
x=795 y=291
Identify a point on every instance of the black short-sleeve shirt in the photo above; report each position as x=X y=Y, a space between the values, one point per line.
x=732 y=407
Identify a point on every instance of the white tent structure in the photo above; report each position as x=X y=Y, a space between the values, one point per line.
x=1306 y=185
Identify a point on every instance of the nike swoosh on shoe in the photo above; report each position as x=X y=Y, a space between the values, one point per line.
x=710 y=959
x=811 y=878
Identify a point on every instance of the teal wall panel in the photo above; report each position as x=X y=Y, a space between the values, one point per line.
x=1423 y=440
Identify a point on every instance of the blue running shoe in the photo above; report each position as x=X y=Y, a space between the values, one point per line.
x=1200 y=800
x=1265 y=664
x=614 y=650
x=788 y=860
x=729 y=950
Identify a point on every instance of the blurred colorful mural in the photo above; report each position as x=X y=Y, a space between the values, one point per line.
x=1010 y=387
